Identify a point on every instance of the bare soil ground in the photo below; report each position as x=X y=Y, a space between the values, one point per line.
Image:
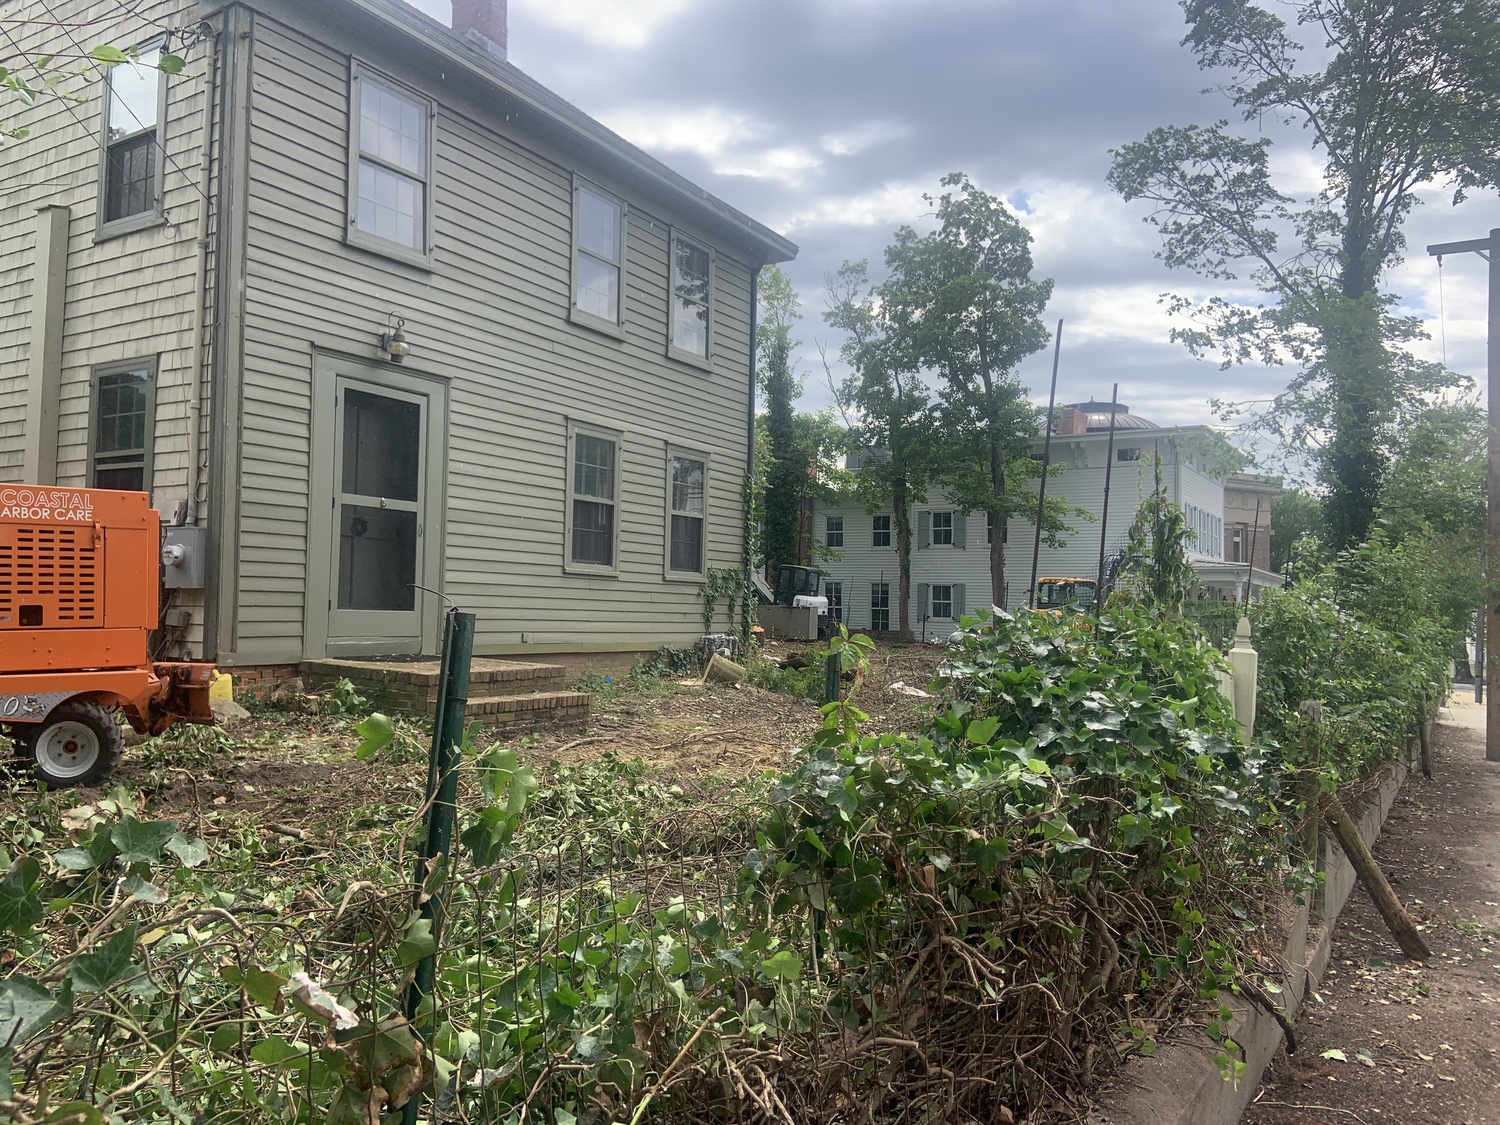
x=1420 y=1043
x=298 y=770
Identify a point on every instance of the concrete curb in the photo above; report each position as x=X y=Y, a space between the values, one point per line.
x=1180 y=1084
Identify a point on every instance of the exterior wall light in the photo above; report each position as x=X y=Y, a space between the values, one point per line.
x=393 y=339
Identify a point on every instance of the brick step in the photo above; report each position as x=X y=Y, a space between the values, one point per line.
x=528 y=711
x=515 y=694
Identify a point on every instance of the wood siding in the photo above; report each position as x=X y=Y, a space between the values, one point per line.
x=491 y=318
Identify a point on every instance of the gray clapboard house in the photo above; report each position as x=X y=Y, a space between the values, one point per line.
x=209 y=279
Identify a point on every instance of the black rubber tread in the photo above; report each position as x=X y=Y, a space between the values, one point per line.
x=92 y=715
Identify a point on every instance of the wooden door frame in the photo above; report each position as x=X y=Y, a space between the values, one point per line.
x=328 y=367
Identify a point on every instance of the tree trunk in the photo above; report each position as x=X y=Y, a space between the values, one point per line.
x=902 y=514
x=1373 y=878
x=997 y=559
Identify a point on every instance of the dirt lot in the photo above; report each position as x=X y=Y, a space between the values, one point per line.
x=287 y=767
x=1420 y=1043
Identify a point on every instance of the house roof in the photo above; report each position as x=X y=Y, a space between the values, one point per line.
x=538 y=108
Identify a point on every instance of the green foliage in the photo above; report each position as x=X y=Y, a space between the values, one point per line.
x=1435 y=65
x=1296 y=517
x=344 y=700
x=1157 y=545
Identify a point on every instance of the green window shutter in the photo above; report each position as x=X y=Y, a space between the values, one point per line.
x=958 y=600
x=960 y=529
x=923 y=589
x=924 y=530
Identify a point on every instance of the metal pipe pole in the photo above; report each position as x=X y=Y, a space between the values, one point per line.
x=1254 y=538
x=1489 y=250
x=1109 y=465
x=1041 y=496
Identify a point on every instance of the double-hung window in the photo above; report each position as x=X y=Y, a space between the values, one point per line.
x=880 y=535
x=942 y=602
x=687 y=490
x=593 y=498
x=942 y=529
x=120 y=426
x=135 y=98
x=598 y=258
x=390 y=161
x=691 y=300
x=835 y=594
x=833 y=531
x=880 y=607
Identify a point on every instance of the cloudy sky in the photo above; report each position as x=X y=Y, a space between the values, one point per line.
x=828 y=119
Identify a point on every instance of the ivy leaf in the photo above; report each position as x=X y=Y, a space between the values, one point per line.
x=20 y=909
x=143 y=889
x=417 y=942
x=26 y=1007
x=97 y=970
x=7 y=1061
x=785 y=965
x=261 y=986
x=522 y=786
x=141 y=841
x=74 y=1113
x=312 y=999
x=376 y=733
x=190 y=852
x=274 y=1050
x=1335 y=1054
x=981 y=731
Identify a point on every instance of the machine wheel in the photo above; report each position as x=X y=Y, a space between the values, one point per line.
x=79 y=744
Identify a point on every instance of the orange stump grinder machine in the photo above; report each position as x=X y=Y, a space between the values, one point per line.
x=79 y=590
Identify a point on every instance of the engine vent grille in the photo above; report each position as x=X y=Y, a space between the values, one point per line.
x=54 y=567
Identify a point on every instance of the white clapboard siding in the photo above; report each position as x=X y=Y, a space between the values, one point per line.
x=1081 y=483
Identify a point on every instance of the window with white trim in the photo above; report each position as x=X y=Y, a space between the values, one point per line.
x=134 y=104
x=833 y=531
x=692 y=292
x=835 y=594
x=594 y=495
x=687 y=488
x=942 y=602
x=390 y=167
x=598 y=255
x=942 y=529
x=880 y=607
x=880 y=535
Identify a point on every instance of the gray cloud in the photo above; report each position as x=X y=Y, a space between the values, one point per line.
x=827 y=119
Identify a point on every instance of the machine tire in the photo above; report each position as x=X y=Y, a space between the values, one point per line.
x=78 y=744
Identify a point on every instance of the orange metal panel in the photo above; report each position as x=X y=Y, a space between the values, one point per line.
x=64 y=650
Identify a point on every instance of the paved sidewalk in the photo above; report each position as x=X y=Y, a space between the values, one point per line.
x=1419 y=1043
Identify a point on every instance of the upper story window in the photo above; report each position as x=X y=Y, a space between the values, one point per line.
x=692 y=291
x=833 y=531
x=942 y=529
x=1127 y=454
x=688 y=490
x=594 y=496
x=121 y=427
x=598 y=258
x=390 y=175
x=880 y=535
x=134 y=105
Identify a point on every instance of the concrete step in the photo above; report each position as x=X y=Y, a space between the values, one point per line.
x=511 y=693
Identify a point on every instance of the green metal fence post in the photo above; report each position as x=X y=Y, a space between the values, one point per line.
x=442 y=796
x=831 y=685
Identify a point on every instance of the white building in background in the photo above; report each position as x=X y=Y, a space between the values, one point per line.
x=950 y=570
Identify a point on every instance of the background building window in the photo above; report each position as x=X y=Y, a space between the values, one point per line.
x=942 y=529
x=391 y=189
x=132 y=164
x=120 y=453
x=597 y=255
x=686 y=551
x=833 y=531
x=835 y=592
x=880 y=607
x=942 y=601
x=690 y=297
x=881 y=536
x=594 y=482
x=1127 y=455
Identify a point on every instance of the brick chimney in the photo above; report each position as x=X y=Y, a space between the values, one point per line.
x=1073 y=421
x=483 y=23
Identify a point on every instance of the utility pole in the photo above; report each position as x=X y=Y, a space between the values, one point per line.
x=1489 y=250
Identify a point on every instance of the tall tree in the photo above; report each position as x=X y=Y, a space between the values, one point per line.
x=963 y=301
x=891 y=410
x=786 y=478
x=1400 y=94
